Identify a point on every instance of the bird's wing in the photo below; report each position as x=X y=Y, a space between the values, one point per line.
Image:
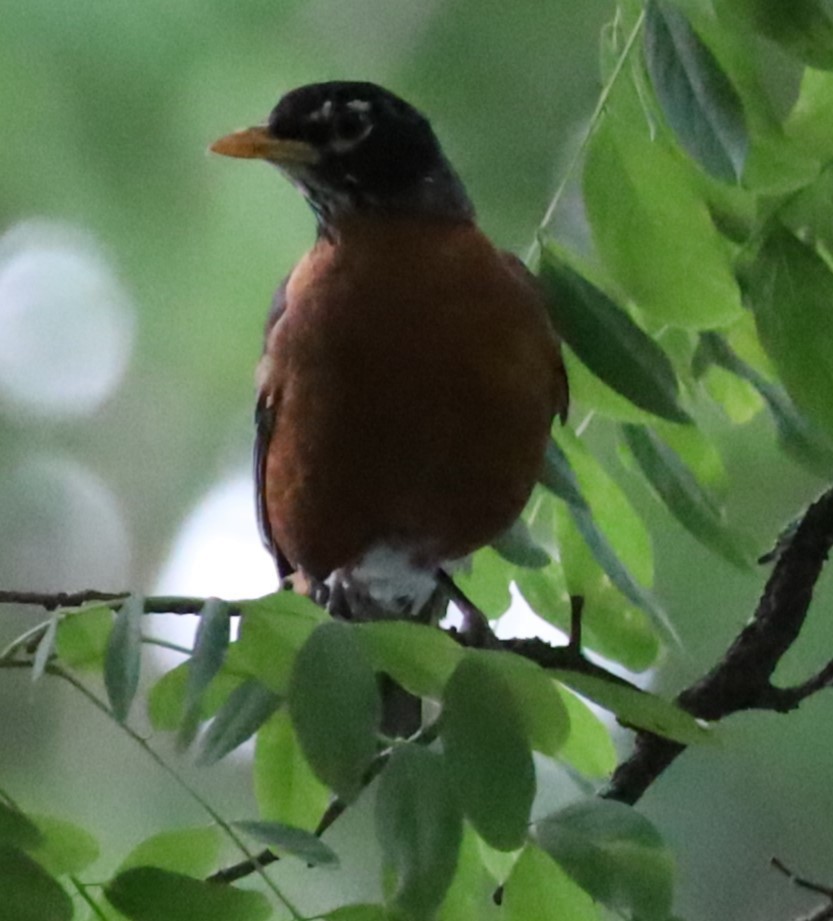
x=266 y=419
x=561 y=389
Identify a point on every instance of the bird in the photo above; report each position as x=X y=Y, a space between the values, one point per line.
x=410 y=375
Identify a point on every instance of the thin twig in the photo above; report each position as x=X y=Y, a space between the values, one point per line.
x=742 y=680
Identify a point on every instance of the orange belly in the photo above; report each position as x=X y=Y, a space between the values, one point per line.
x=415 y=378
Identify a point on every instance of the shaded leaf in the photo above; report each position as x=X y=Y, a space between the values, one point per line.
x=614 y=854
x=517 y=546
x=285 y=787
x=192 y=851
x=419 y=657
x=790 y=289
x=652 y=228
x=485 y=581
x=684 y=497
x=638 y=708
x=16 y=828
x=798 y=438
x=335 y=707
x=246 y=709
x=358 y=913
x=606 y=339
x=122 y=660
x=488 y=752
x=29 y=892
x=45 y=648
x=804 y=28
x=291 y=840
x=210 y=644
x=696 y=96
x=536 y=697
x=419 y=826
x=538 y=888
x=151 y=894
x=166 y=699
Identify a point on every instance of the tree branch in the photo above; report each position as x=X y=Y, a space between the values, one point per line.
x=742 y=680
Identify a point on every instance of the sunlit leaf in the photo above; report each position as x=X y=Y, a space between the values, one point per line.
x=192 y=851
x=335 y=707
x=517 y=546
x=151 y=894
x=614 y=854
x=166 y=699
x=488 y=752
x=285 y=786
x=419 y=826
x=246 y=709
x=606 y=339
x=471 y=894
x=288 y=839
x=419 y=657
x=589 y=748
x=652 y=229
x=272 y=630
x=637 y=708
x=64 y=847
x=81 y=641
x=29 y=892
x=485 y=582
x=696 y=96
x=538 y=888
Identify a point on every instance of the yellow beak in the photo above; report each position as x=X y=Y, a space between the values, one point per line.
x=257 y=144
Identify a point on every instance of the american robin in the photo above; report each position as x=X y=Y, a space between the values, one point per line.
x=410 y=376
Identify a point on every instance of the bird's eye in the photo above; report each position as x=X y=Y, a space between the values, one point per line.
x=350 y=126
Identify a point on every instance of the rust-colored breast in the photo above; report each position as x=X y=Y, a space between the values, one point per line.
x=415 y=378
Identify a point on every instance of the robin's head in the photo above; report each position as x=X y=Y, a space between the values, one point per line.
x=355 y=147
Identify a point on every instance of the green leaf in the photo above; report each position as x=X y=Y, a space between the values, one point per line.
x=538 y=888
x=151 y=894
x=471 y=894
x=82 y=637
x=29 y=892
x=488 y=752
x=486 y=582
x=638 y=708
x=517 y=546
x=536 y=697
x=291 y=840
x=244 y=712
x=166 y=699
x=273 y=629
x=419 y=826
x=589 y=748
x=45 y=648
x=419 y=657
x=790 y=289
x=210 y=645
x=696 y=96
x=335 y=708
x=606 y=339
x=614 y=854
x=685 y=498
x=797 y=437
x=64 y=847
x=18 y=829
x=122 y=660
x=804 y=28
x=192 y=851
x=652 y=229
x=285 y=787
x=357 y=913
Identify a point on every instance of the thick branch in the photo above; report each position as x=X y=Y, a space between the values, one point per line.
x=742 y=680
